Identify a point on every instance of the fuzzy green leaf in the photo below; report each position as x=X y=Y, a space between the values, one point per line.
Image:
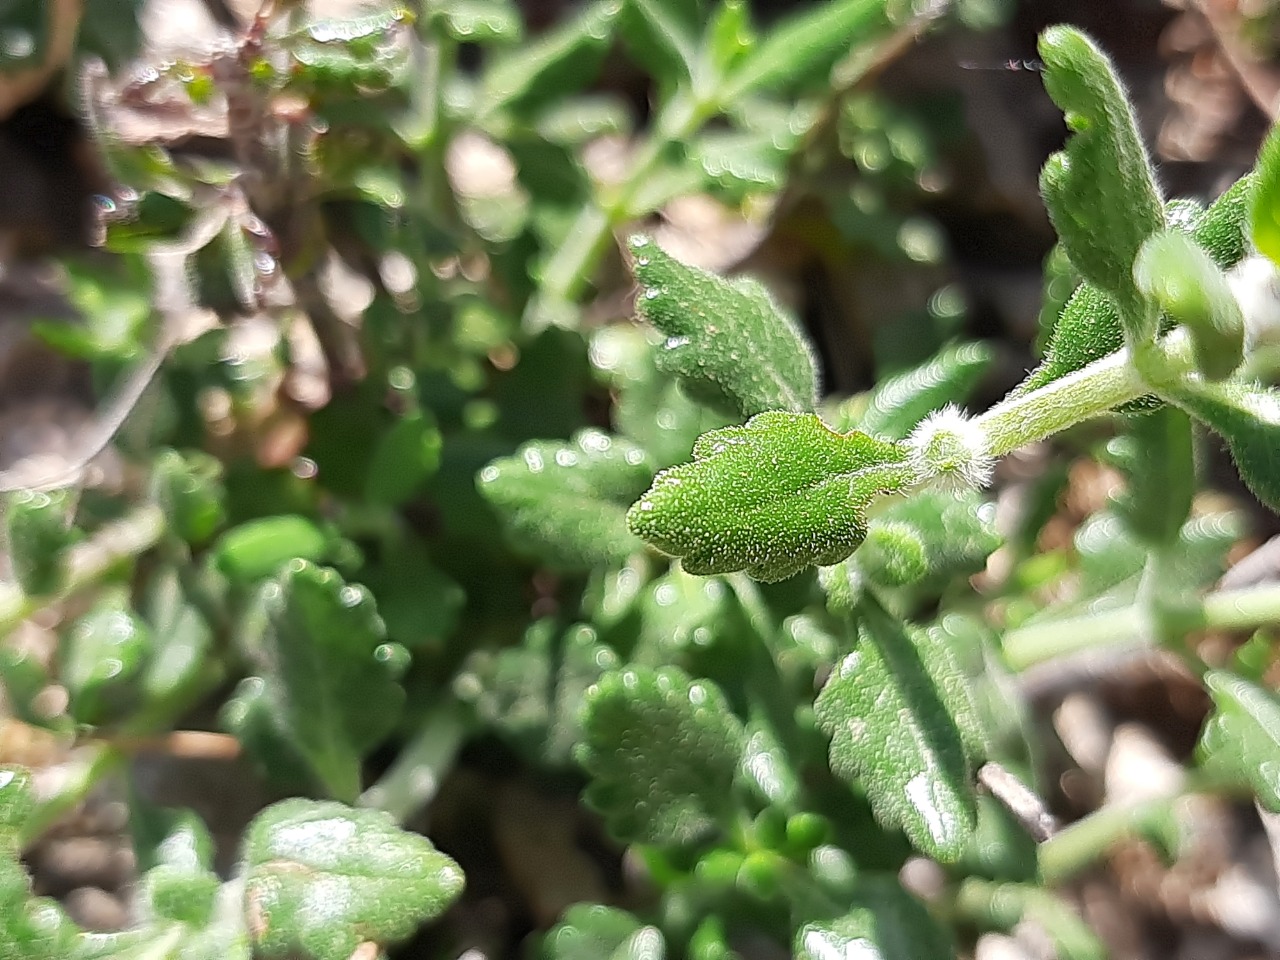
x=900 y=402
x=34 y=928
x=892 y=734
x=730 y=345
x=1089 y=327
x=662 y=751
x=1264 y=213
x=326 y=678
x=884 y=923
x=1100 y=190
x=806 y=46
x=772 y=497
x=39 y=531
x=1242 y=736
x=181 y=886
x=1174 y=272
x=322 y=878
x=955 y=534
x=1247 y=416
x=566 y=503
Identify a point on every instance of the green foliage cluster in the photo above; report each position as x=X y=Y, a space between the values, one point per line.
x=649 y=557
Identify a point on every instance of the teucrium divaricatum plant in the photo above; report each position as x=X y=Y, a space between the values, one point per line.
x=648 y=564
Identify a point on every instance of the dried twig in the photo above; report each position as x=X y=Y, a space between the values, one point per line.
x=1020 y=800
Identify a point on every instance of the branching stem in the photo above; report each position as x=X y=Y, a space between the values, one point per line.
x=1224 y=610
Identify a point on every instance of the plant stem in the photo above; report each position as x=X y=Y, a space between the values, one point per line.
x=571 y=268
x=1003 y=906
x=1241 y=609
x=88 y=562
x=1096 y=389
x=1078 y=846
x=413 y=780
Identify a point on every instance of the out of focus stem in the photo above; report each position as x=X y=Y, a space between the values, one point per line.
x=88 y=562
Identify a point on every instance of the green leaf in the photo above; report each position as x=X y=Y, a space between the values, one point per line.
x=1247 y=416
x=728 y=38
x=892 y=734
x=1100 y=190
x=113 y=304
x=405 y=456
x=550 y=67
x=727 y=341
x=807 y=46
x=589 y=931
x=30 y=929
x=1242 y=736
x=180 y=885
x=649 y=407
x=955 y=533
x=321 y=878
x=662 y=752
x=662 y=35
x=531 y=694
x=1264 y=209
x=1089 y=327
x=902 y=401
x=481 y=21
x=189 y=489
x=893 y=554
x=566 y=503
x=182 y=664
x=418 y=602
x=326 y=677
x=1174 y=272
x=766 y=767
x=39 y=530
x=772 y=497
x=100 y=658
x=34 y=929
x=884 y=923
x=1157 y=456
x=685 y=620
x=17 y=803
x=258 y=548
x=742 y=162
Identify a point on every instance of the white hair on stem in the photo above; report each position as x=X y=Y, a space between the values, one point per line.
x=949 y=449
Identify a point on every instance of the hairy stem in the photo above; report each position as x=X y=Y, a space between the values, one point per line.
x=1241 y=609
x=1093 y=390
x=415 y=777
